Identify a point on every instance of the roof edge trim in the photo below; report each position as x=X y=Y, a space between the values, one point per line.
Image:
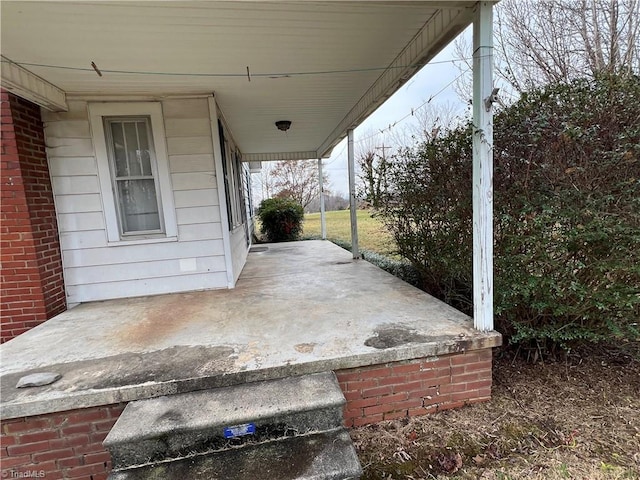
x=278 y=156
x=20 y=81
x=437 y=32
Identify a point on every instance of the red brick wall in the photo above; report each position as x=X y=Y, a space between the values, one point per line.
x=415 y=387
x=31 y=272
x=68 y=445
x=59 y=445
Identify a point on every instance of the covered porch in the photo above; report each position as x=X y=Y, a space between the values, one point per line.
x=208 y=85
x=298 y=308
x=216 y=87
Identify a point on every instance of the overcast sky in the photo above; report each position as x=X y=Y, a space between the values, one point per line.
x=427 y=82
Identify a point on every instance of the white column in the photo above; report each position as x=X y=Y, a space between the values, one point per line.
x=323 y=220
x=352 y=195
x=482 y=168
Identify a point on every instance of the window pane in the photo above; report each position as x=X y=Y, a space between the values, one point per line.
x=143 y=153
x=119 y=149
x=133 y=169
x=131 y=137
x=139 y=205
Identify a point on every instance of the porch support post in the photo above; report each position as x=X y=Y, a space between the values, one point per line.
x=323 y=220
x=352 y=195
x=483 y=167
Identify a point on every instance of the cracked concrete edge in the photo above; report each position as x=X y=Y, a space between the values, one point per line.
x=204 y=410
x=317 y=456
x=93 y=398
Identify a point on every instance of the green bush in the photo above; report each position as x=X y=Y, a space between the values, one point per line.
x=281 y=219
x=566 y=213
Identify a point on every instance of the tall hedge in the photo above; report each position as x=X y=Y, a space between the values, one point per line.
x=566 y=207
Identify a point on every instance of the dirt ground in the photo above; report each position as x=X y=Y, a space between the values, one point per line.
x=576 y=417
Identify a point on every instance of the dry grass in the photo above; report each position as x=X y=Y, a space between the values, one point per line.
x=576 y=419
x=372 y=234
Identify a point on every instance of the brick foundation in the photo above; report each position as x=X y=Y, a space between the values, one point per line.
x=415 y=387
x=65 y=445
x=31 y=273
x=68 y=445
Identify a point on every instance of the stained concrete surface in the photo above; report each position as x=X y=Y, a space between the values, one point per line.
x=322 y=456
x=177 y=426
x=298 y=308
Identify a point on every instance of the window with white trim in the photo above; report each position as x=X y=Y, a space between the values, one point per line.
x=134 y=172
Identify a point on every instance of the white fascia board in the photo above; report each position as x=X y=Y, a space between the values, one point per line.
x=20 y=81
x=437 y=33
x=276 y=157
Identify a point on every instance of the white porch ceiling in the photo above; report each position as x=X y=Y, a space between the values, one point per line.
x=200 y=47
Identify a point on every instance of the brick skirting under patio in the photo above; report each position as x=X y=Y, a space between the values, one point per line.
x=68 y=445
x=59 y=445
x=415 y=387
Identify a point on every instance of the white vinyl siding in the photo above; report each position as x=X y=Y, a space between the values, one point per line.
x=241 y=235
x=77 y=185
x=195 y=198
x=235 y=197
x=96 y=268
x=152 y=285
x=196 y=215
x=239 y=250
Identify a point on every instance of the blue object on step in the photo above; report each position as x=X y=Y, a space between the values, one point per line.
x=240 y=430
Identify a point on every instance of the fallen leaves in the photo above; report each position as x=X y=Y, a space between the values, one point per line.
x=542 y=424
x=449 y=462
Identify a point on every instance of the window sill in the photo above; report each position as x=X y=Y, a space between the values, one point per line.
x=142 y=241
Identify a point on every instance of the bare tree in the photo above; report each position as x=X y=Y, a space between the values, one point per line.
x=296 y=179
x=371 y=153
x=337 y=201
x=545 y=41
x=372 y=140
x=375 y=152
x=434 y=119
x=266 y=183
x=555 y=40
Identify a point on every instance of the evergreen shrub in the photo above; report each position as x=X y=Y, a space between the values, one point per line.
x=280 y=219
x=566 y=213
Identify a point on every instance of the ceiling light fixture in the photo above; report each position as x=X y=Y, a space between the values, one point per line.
x=283 y=125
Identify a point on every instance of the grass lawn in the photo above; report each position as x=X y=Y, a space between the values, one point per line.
x=372 y=234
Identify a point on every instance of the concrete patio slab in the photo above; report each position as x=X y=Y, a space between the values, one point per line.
x=298 y=308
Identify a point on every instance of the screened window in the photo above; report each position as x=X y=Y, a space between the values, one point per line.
x=231 y=169
x=134 y=175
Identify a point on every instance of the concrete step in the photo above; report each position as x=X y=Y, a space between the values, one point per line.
x=182 y=425
x=320 y=456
